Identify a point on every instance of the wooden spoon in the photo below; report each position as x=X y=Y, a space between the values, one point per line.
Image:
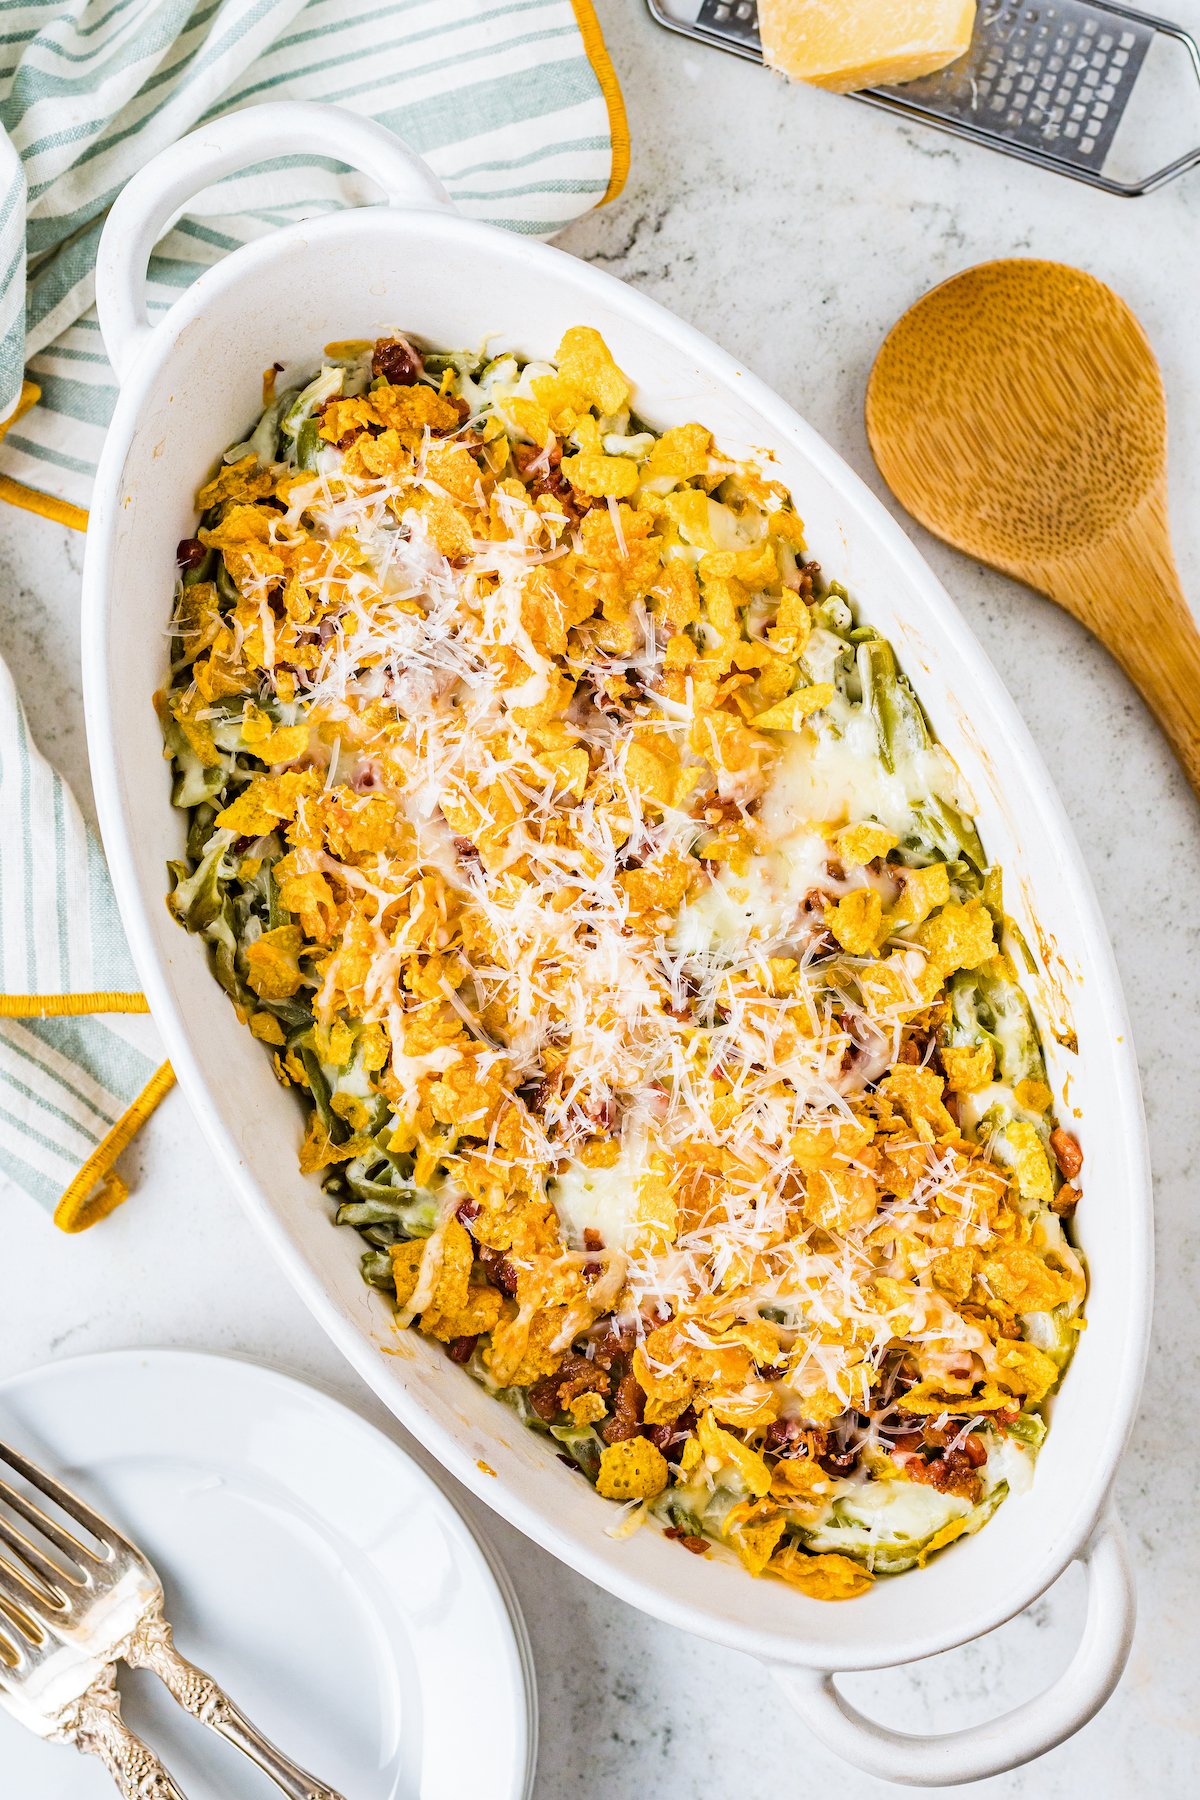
x=1018 y=412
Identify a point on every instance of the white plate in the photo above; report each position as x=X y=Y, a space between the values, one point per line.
x=308 y=1563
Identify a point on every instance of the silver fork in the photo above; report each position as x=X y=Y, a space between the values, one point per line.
x=69 y=1611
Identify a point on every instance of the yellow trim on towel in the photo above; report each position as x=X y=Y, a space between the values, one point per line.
x=59 y=1006
x=48 y=505
x=610 y=87
x=98 y=1190
x=16 y=492
x=29 y=396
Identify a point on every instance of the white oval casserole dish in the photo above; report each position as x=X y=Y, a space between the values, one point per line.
x=190 y=385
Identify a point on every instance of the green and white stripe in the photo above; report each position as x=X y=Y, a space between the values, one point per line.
x=499 y=97
x=502 y=101
x=64 y=1082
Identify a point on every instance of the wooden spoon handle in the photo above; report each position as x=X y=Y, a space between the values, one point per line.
x=1127 y=592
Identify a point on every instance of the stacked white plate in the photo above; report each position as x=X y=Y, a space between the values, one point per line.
x=309 y=1564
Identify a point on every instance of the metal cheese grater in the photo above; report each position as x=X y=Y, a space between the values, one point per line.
x=1051 y=83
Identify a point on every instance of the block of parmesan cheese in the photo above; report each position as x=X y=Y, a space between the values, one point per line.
x=848 y=44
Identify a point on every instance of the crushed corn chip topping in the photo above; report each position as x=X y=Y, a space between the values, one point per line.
x=592 y=874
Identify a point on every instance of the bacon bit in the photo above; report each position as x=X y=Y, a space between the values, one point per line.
x=467 y=854
x=602 y=1114
x=462 y=1349
x=716 y=812
x=1067 y=1153
x=1065 y=1201
x=397 y=361
x=499 y=1270
x=697 y=1545
x=838 y=1462
x=670 y=1439
x=908 y=1443
x=809 y=572
x=954 y=1473
x=539 y=470
x=468 y=1210
x=782 y=1435
x=554 y=1393
x=951 y=1473
x=615 y=1346
x=626 y=1421
x=535 y=1094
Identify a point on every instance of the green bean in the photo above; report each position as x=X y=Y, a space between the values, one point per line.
x=376 y=1268
x=322 y=387
x=899 y=722
x=228 y=592
x=581 y=1445
x=196 y=897
x=412 y=1210
x=201 y=571
x=308 y=444
x=336 y=1129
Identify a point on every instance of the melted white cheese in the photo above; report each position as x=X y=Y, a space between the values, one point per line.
x=1009 y=1461
x=840 y=777
x=901 y=1511
x=819 y=781
x=603 y=1200
x=734 y=910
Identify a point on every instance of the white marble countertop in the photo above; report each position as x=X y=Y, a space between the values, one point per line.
x=794 y=228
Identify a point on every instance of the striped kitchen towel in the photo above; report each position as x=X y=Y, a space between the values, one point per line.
x=514 y=105
x=512 y=102
x=79 y=1068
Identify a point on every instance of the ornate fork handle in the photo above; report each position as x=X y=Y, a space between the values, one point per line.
x=96 y=1727
x=153 y=1647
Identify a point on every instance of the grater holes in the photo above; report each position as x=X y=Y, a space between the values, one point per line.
x=1053 y=75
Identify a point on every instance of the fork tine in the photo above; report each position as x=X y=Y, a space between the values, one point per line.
x=18 y=1632
x=47 y=1527
x=27 y=1552
x=22 y=1605
x=105 y=1534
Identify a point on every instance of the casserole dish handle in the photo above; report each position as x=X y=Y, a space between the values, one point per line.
x=157 y=194
x=1017 y=1736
